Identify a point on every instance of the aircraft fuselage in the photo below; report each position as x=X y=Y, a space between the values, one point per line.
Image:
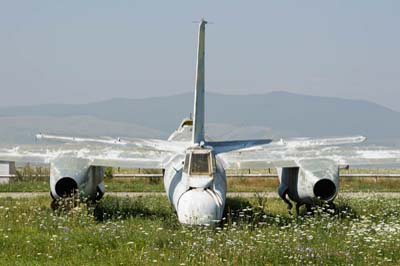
x=195 y=184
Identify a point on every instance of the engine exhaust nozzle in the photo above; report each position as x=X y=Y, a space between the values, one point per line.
x=66 y=187
x=325 y=189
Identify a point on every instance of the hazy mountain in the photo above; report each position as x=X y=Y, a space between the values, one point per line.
x=228 y=116
x=22 y=129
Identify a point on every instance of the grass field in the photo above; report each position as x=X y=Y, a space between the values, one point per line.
x=33 y=179
x=145 y=231
x=234 y=185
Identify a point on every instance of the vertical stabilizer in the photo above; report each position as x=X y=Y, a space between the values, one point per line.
x=198 y=121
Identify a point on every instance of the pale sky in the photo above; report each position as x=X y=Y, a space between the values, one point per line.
x=84 y=51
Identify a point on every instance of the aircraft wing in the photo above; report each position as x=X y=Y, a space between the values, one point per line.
x=95 y=154
x=260 y=144
x=288 y=154
x=132 y=143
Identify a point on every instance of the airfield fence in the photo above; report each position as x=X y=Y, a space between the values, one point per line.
x=262 y=175
x=231 y=175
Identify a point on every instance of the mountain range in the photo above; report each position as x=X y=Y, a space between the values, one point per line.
x=271 y=115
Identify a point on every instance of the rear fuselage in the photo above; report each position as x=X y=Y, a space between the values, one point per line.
x=195 y=183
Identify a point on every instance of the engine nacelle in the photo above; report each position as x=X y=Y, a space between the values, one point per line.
x=314 y=179
x=68 y=175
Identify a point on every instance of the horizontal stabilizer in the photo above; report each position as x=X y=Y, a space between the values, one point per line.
x=232 y=145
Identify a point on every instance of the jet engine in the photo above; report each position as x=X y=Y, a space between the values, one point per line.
x=71 y=175
x=314 y=180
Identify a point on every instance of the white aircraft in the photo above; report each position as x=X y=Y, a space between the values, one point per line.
x=195 y=180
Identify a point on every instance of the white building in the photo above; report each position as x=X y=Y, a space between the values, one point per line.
x=7 y=170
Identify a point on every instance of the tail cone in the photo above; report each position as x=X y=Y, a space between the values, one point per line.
x=199 y=206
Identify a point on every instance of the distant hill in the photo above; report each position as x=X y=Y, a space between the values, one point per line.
x=274 y=114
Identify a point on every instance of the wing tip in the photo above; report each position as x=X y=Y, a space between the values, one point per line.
x=361 y=139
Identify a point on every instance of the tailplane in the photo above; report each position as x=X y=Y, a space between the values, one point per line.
x=199 y=110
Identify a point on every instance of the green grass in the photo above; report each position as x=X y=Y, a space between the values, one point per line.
x=145 y=231
x=25 y=186
x=134 y=185
x=28 y=181
x=354 y=184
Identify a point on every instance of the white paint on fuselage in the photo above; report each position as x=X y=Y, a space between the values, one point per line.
x=195 y=202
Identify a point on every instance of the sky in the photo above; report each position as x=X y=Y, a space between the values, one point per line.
x=84 y=51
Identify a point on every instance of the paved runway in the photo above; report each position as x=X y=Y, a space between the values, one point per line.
x=230 y=194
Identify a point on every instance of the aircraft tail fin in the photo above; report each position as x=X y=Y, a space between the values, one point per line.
x=199 y=108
